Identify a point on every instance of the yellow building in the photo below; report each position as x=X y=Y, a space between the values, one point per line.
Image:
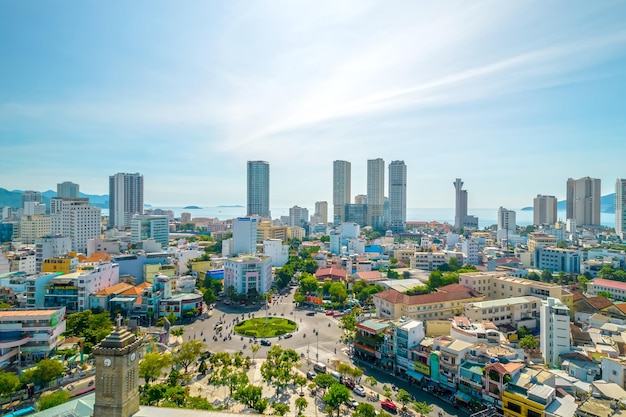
x=539 y=240
x=531 y=403
x=158 y=269
x=62 y=264
x=266 y=230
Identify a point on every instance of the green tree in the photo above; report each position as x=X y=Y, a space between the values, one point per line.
x=324 y=381
x=178 y=332
x=546 y=276
x=308 y=284
x=338 y=292
x=93 y=327
x=280 y=409
x=422 y=408
x=391 y=274
x=231 y=292
x=605 y=294
x=533 y=276
x=387 y=390
x=202 y=367
x=522 y=332
x=301 y=404
x=277 y=367
x=583 y=281
x=49 y=400
x=249 y=395
x=188 y=352
x=371 y=381
x=528 y=342
x=337 y=394
x=47 y=370
x=151 y=367
x=9 y=383
x=364 y=410
x=300 y=381
x=209 y=296
x=403 y=396
x=254 y=348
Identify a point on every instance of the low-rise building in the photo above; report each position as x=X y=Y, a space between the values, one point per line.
x=617 y=289
x=516 y=311
x=248 y=274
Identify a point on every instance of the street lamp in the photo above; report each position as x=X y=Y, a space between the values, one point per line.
x=317 y=355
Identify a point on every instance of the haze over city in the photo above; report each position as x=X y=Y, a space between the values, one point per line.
x=514 y=98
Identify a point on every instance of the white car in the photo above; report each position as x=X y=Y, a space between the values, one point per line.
x=352 y=403
x=360 y=391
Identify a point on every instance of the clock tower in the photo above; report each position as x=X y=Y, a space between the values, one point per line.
x=117 y=363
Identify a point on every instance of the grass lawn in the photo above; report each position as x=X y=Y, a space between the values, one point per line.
x=257 y=327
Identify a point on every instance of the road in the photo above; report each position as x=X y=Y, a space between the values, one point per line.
x=316 y=338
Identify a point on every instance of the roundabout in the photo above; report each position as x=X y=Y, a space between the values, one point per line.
x=265 y=327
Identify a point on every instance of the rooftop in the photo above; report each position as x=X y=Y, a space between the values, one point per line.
x=610 y=283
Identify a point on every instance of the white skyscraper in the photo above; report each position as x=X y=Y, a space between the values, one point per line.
x=144 y=227
x=77 y=219
x=554 y=330
x=259 y=189
x=341 y=189
x=544 y=210
x=244 y=235
x=506 y=220
x=125 y=199
x=375 y=192
x=397 y=196
x=620 y=207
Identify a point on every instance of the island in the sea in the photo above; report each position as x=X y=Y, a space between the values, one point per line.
x=191 y=208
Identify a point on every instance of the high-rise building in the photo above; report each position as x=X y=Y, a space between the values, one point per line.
x=144 y=227
x=461 y=218
x=33 y=207
x=583 y=200
x=620 y=207
x=375 y=192
x=76 y=219
x=544 y=210
x=341 y=189
x=51 y=246
x=554 y=330
x=125 y=199
x=506 y=220
x=31 y=196
x=397 y=196
x=321 y=212
x=185 y=217
x=245 y=235
x=32 y=227
x=569 y=198
x=259 y=189
x=298 y=216
x=360 y=199
x=68 y=189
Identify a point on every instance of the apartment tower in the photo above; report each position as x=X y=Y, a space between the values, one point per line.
x=583 y=201
x=341 y=189
x=321 y=212
x=259 y=189
x=620 y=207
x=397 y=196
x=544 y=210
x=125 y=199
x=554 y=330
x=68 y=189
x=375 y=192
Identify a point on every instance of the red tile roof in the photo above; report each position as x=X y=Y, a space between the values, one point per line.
x=367 y=275
x=331 y=272
x=395 y=297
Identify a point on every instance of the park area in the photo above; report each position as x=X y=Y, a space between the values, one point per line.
x=265 y=327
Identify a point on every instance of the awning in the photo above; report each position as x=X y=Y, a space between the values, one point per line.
x=460 y=395
x=415 y=375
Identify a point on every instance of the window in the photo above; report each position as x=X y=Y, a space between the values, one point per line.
x=532 y=413
x=514 y=407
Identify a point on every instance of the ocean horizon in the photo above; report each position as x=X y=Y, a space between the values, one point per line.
x=486 y=216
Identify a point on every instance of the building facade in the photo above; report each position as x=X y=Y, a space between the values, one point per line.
x=461 y=218
x=397 y=196
x=125 y=199
x=555 y=330
x=68 y=189
x=544 y=210
x=144 y=227
x=620 y=207
x=245 y=235
x=76 y=219
x=341 y=189
x=375 y=192
x=506 y=220
x=583 y=201
x=321 y=212
x=258 y=189
x=248 y=274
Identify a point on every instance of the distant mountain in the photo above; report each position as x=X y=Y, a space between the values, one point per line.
x=607 y=204
x=14 y=198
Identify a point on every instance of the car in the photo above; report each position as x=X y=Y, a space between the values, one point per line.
x=311 y=375
x=219 y=323
x=288 y=335
x=330 y=313
x=91 y=383
x=349 y=383
x=310 y=313
x=265 y=342
x=388 y=405
x=352 y=403
x=359 y=390
x=70 y=387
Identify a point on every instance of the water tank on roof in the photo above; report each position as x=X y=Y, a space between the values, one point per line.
x=494 y=360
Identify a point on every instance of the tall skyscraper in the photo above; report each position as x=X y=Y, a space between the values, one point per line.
x=68 y=189
x=583 y=197
x=341 y=189
x=77 y=219
x=397 y=196
x=506 y=220
x=259 y=189
x=569 y=199
x=544 y=210
x=321 y=212
x=375 y=192
x=620 y=207
x=125 y=198
x=461 y=218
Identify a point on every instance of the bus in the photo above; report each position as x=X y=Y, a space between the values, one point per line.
x=21 y=412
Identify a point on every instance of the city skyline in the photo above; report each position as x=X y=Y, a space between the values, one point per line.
x=514 y=98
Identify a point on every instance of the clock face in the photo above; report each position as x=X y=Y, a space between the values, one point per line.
x=107 y=362
x=132 y=356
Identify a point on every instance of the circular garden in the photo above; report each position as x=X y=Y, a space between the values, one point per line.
x=262 y=327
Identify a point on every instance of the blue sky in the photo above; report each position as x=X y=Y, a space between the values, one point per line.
x=513 y=97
